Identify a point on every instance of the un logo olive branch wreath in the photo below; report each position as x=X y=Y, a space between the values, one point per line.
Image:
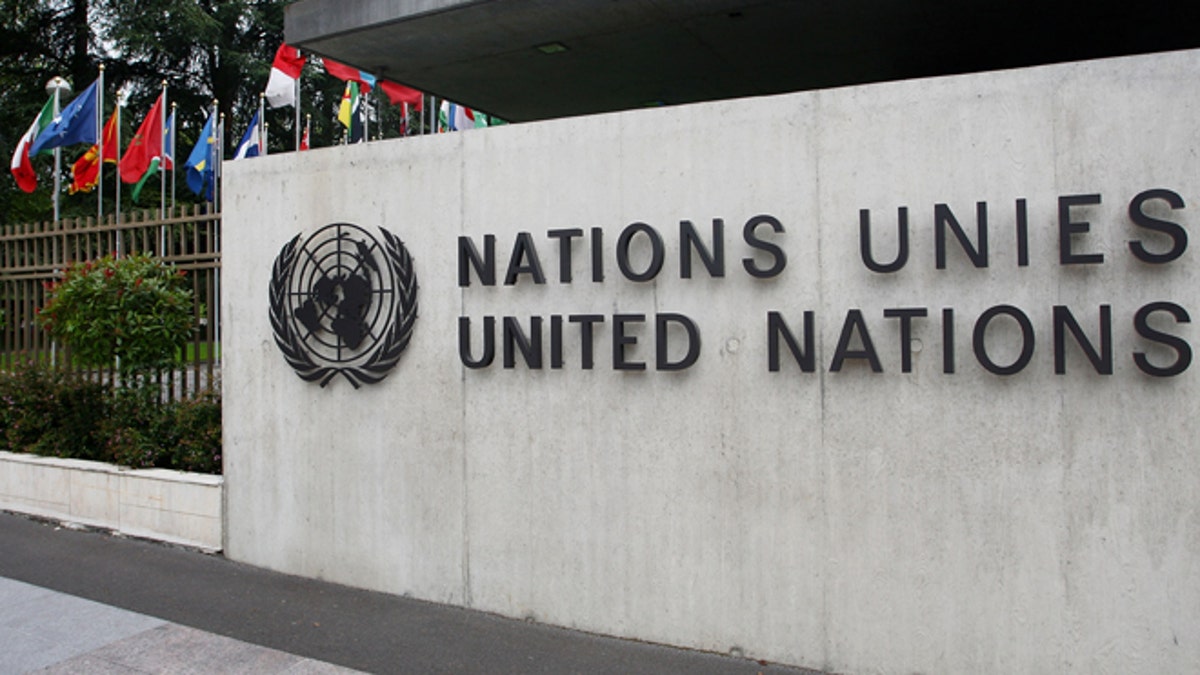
x=329 y=297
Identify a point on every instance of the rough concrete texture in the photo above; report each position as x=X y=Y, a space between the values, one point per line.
x=846 y=520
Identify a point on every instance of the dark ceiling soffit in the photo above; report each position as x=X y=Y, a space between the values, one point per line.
x=291 y=24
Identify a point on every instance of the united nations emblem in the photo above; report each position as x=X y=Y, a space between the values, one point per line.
x=343 y=302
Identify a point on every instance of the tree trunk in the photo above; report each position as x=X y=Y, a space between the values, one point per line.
x=82 y=71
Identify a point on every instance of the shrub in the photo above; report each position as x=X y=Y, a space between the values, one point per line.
x=196 y=427
x=134 y=310
x=132 y=429
x=47 y=412
x=138 y=313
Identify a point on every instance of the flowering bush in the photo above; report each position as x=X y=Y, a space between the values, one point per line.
x=135 y=309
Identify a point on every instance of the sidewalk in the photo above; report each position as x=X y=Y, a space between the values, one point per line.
x=73 y=601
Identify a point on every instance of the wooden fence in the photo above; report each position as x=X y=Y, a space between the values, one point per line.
x=31 y=255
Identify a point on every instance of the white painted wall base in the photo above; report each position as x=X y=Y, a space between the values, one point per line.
x=173 y=506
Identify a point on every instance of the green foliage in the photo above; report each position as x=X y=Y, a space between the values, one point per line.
x=202 y=49
x=38 y=40
x=191 y=429
x=132 y=428
x=47 y=412
x=135 y=309
x=183 y=435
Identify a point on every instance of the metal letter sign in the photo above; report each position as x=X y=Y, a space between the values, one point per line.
x=343 y=302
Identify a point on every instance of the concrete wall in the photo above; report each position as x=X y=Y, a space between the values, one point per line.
x=181 y=508
x=855 y=521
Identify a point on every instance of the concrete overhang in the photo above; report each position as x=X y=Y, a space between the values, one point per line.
x=536 y=59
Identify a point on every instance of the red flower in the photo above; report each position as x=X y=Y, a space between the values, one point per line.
x=108 y=273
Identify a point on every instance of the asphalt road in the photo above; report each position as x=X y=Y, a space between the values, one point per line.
x=326 y=622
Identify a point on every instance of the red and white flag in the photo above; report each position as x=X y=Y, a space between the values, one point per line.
x=22 y=166
x=285 y=72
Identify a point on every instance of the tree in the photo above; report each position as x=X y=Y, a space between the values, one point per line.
x=202 y=49
x=39 y=39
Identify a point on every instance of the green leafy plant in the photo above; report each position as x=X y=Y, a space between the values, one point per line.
x=195 y=433
x=48 y=412
x=134 y=310
x=44 y=411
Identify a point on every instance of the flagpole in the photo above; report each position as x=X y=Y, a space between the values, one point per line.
x=100 y=146
x=172 y=131
x=297 y=106
x=220 y=153
x=211 y=148
x=117 y=209
x=219 y=156
x=262 y=125
x=162 y=168
x=55 y=87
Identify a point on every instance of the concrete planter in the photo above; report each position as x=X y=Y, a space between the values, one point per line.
x=173 y=506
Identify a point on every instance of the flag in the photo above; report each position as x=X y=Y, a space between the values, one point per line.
x=22 y=166
x=75 y=124
x=151 y=171
x=163 y=161
x=285 y=71
x=398 y=93
x=85 y=172
x=145 y=147
x=251 y=145
x=349 y=101
x=200 y=162
x=168 y=144
x=349 y=112
x=304 y=138
x=348 y=74
x=457 y=117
